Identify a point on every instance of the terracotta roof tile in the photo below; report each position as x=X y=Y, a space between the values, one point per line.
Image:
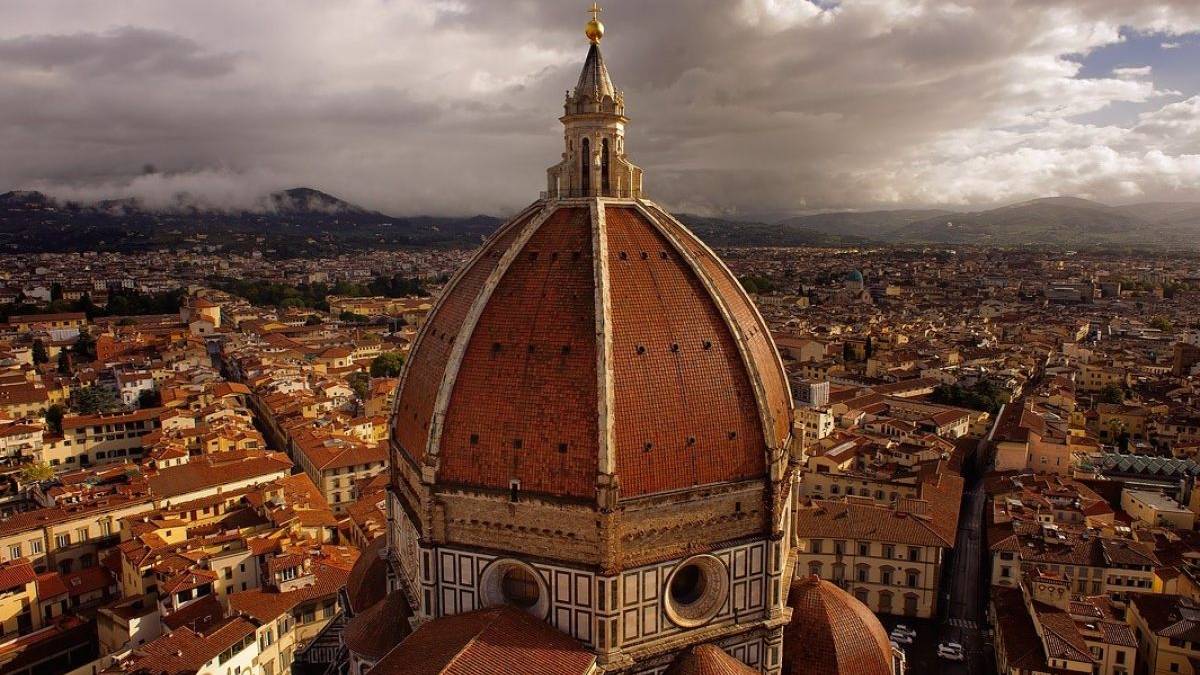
x=485 y=642
x=376 y=631
x=708 y=659
x=539 y=331
x=16 y=573
x=367 y=582
x=831 y=633
x=679 y=382
x=685 y=411
x=423 y=375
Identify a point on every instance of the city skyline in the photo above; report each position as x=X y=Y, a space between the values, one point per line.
x=252 y=430
x=754 y=109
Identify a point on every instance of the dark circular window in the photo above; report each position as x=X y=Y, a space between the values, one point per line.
x=687 y=586
x=520 y=588
x=514 y=583
x=695 y=590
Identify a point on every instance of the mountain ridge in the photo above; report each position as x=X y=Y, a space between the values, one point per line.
x=304 y=221
x=1065 y=221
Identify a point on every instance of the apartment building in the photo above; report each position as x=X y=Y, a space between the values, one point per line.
x=1168 y=632
x=889 y=556
x=1040 y=628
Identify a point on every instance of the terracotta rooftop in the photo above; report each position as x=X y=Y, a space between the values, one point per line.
x=267 y=605
x=379 y=628
x=707 y=659
x=186 y=651
x=16 y=574
x=367 y=582
x=495 y=640
x=831 y=633
x=688 y=354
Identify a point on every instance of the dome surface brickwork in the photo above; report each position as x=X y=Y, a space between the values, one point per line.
x=832 y=633
x=697 y=391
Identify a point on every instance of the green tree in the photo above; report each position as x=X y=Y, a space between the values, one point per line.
x=387 y=364
x=755 y=284
x=85 y=346
x=983 y=395
x=54 y=418
x=85 y=305
x=312 y=320
x=39 y=353
x=360 y=382
x=351 y=317
x=1111 y=394
x=94 y=399
x=149 y=398
x=1161 y=323
x=64 y=362
x=32 y=473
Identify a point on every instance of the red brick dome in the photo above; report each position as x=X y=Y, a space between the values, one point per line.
x=831 y=632
x=591 y=338
x=708 y=659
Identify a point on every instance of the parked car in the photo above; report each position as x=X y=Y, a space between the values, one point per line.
x=901 y=638
x=951 y=651
x=905 y=629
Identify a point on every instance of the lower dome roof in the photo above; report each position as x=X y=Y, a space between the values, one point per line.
x=832 y=633
x=708 y=659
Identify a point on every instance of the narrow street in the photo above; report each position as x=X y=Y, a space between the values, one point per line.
x=965 y=620
x=963 y=590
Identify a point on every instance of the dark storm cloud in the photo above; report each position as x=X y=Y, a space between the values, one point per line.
x=120 y=52
x=742 y=106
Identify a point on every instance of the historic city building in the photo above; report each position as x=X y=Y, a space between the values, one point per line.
x=591 y=452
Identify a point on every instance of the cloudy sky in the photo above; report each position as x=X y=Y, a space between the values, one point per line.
x=743 y=107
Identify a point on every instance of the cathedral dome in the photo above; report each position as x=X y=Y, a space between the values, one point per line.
x=590 y=339
x=831 y=632
x=708 y=659
x=593 y=424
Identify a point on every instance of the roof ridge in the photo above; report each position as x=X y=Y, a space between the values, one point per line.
x=495 y=614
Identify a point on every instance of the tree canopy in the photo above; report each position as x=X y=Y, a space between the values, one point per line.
x=387 y=364
x=95 y=399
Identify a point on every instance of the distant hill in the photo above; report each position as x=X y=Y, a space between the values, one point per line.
x=295 y=222
x=1053 y=221
x=874 y=225
x=303 y=222
x=298 y=221
x=309 y=201
x=722 y=232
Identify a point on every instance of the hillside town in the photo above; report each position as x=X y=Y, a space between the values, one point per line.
x=999 y=454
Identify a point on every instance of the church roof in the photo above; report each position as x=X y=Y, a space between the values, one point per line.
x=594 y=81
x=376 y=631
x=708 y=659
x=367 y=583
x=495 y=640
x=832 y=633
x=696 y=393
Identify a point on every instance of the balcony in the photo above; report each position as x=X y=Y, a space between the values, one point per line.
x=611 y=193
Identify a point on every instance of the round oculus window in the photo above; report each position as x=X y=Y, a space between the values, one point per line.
x=512 y=582
x=520 y=587
x=696 y=590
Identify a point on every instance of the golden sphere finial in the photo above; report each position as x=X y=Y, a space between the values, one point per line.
x=594 y=30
